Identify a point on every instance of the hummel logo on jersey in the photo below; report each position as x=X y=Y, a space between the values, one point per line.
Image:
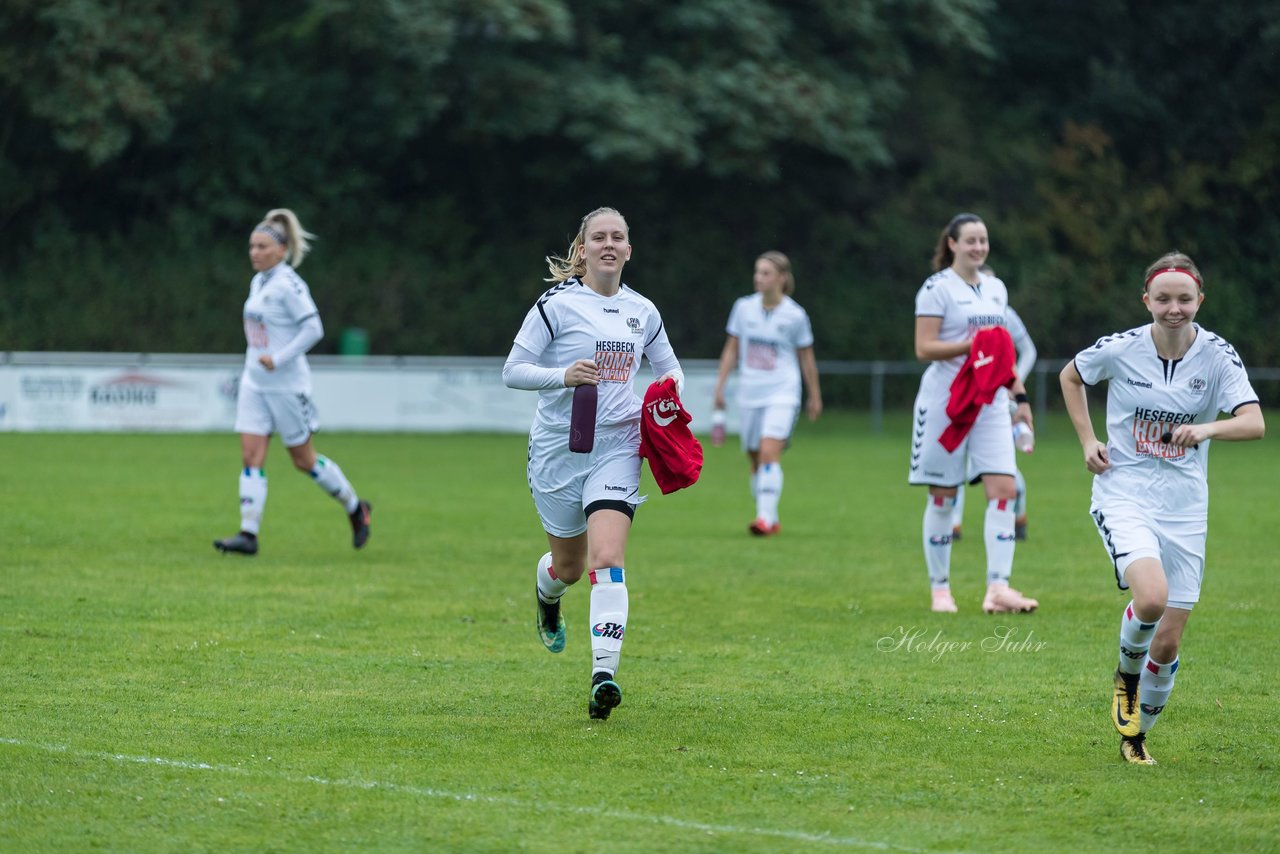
x=660 y=406
x=1132 y=381
x=612 y=310
x=616 y=488
x=983 y=360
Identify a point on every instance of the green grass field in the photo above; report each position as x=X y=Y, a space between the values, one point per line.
x=157 y=696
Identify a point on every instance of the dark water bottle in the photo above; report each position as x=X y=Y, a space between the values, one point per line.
x=582 y=422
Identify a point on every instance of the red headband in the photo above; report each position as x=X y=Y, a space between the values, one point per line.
x=1155 y=273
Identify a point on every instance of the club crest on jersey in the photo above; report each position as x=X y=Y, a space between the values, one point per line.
x=1198 y=385
x=633 y=323
x=659 y=410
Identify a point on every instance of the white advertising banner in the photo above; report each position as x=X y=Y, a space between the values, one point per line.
x=151 y=392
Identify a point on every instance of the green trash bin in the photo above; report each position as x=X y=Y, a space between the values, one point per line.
x=354 y=341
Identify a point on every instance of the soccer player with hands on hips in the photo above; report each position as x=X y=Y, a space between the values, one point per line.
x=770 y=341
x=589 y=329
x=956 y=304
x=281 y=323
x=1167 y=382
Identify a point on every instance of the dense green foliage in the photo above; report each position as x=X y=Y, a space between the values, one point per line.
x=441 y=148
x=156 y=696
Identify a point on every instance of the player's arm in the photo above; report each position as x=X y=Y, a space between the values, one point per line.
x=1244 y=424
x=1076 y=398
x=929 y=348
x=310 y=331
x=728 y=359
x=809 y=370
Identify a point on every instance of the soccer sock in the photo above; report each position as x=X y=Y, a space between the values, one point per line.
x=937 y=540
x=253 y=499
x=1020 y=503
x=550 y=587
x=1154 y=689
x=957 y=515
x=997 y=535
x=769 y=492
x=1135 y=640
x=608 y=618
x=329 y=477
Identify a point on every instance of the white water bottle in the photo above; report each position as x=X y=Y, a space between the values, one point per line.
x=717 y=427
x=1024 y=438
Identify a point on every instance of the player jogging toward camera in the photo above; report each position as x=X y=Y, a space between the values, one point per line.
x=281 y=323
x=770 y=342
x=955 y=305
x=588 y=329
x=1167 y=381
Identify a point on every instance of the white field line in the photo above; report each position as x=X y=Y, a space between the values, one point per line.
x=471 y=797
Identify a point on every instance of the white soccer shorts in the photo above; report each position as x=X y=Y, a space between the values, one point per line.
x=767 y=422
x=988 y=449
x=261 y=413
x=1128 y=534
x=564 y=484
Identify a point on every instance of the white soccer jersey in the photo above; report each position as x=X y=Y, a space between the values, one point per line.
x=964 y=310
x=279 y=300
x=571 y=322
x=1148 y=396
x=768 y=369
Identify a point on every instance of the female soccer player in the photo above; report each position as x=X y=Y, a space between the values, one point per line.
x=953 y=305
x=281 y=323
x=1167 y=382
x=589 y=329
x=771 y=343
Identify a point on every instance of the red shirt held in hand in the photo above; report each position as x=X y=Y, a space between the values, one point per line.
x=988 y=368
x=673 y=452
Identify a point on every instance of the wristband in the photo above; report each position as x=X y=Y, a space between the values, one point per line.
x=1021 y=397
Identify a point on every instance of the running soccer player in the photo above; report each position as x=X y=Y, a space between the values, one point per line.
x=1167 y=381
x=1026 y=349
x=281 y=323
x=770 y=341
x=954 y=305
x=589 y=329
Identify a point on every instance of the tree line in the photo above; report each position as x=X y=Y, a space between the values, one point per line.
x=442 y=148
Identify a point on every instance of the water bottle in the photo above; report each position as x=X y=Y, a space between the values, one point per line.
x=1024 y=439
x=718 y=419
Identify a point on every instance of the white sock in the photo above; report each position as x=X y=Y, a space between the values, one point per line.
x=1020 y=502
x=1154 y=689
x=253 y=499
x=329 y=477
x=608 y=618
x=769 y=480
x=997 y=535
x=957 y=515
x=1135 y=640
x=550 y=587
x=937 y=540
